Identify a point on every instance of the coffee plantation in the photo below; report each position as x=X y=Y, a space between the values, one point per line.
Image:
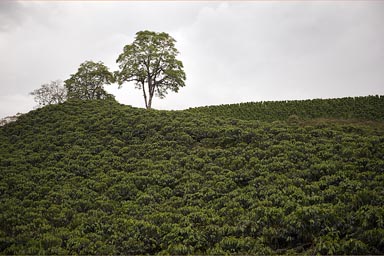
x=98 y=177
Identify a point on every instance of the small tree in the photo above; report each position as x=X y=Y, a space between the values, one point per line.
x=150 y=61
x=50 y=93
x=88 y=82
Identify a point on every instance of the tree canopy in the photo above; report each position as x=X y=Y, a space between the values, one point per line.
x=88 y=82
x=50 y=93
x=150 y=62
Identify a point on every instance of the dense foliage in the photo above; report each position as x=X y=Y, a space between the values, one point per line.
x=88 y=82
x=150 y=62
x=361 y=108
x=97 y=177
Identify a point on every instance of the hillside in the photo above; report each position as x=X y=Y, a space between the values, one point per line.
x=357 y=108
x=97 y=177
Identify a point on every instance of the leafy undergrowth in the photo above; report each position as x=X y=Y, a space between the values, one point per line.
x=97 y=177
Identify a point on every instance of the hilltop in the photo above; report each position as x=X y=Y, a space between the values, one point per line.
x=349 y=108
x=98 y=177
x=9 y=119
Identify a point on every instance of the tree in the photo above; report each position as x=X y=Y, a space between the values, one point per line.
x=88 y=82
x=150 y=61
x=50 y=93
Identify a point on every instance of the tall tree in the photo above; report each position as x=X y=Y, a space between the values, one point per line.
x=88 y=83
x=150 y=62
x=51 y=93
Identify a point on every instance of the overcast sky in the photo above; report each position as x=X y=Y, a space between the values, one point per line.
x=232 y=51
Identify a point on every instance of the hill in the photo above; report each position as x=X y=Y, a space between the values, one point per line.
x=97 y=177
x=9 y=119
x=358 y=108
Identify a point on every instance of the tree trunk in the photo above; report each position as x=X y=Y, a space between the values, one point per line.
x=149 y=102
x=145 y=96
x=151 y=91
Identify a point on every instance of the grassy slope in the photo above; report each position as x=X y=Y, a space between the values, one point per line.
x=356 y=108
x=97 y=177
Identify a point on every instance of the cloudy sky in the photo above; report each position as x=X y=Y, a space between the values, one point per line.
x=232 y=51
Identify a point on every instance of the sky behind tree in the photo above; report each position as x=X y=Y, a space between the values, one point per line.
x=232 y=51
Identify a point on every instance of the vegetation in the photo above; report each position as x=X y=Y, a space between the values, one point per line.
x=88 y=82
x=97 y=177
x=150 y=61
x=359 y=108
x=51 y=93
